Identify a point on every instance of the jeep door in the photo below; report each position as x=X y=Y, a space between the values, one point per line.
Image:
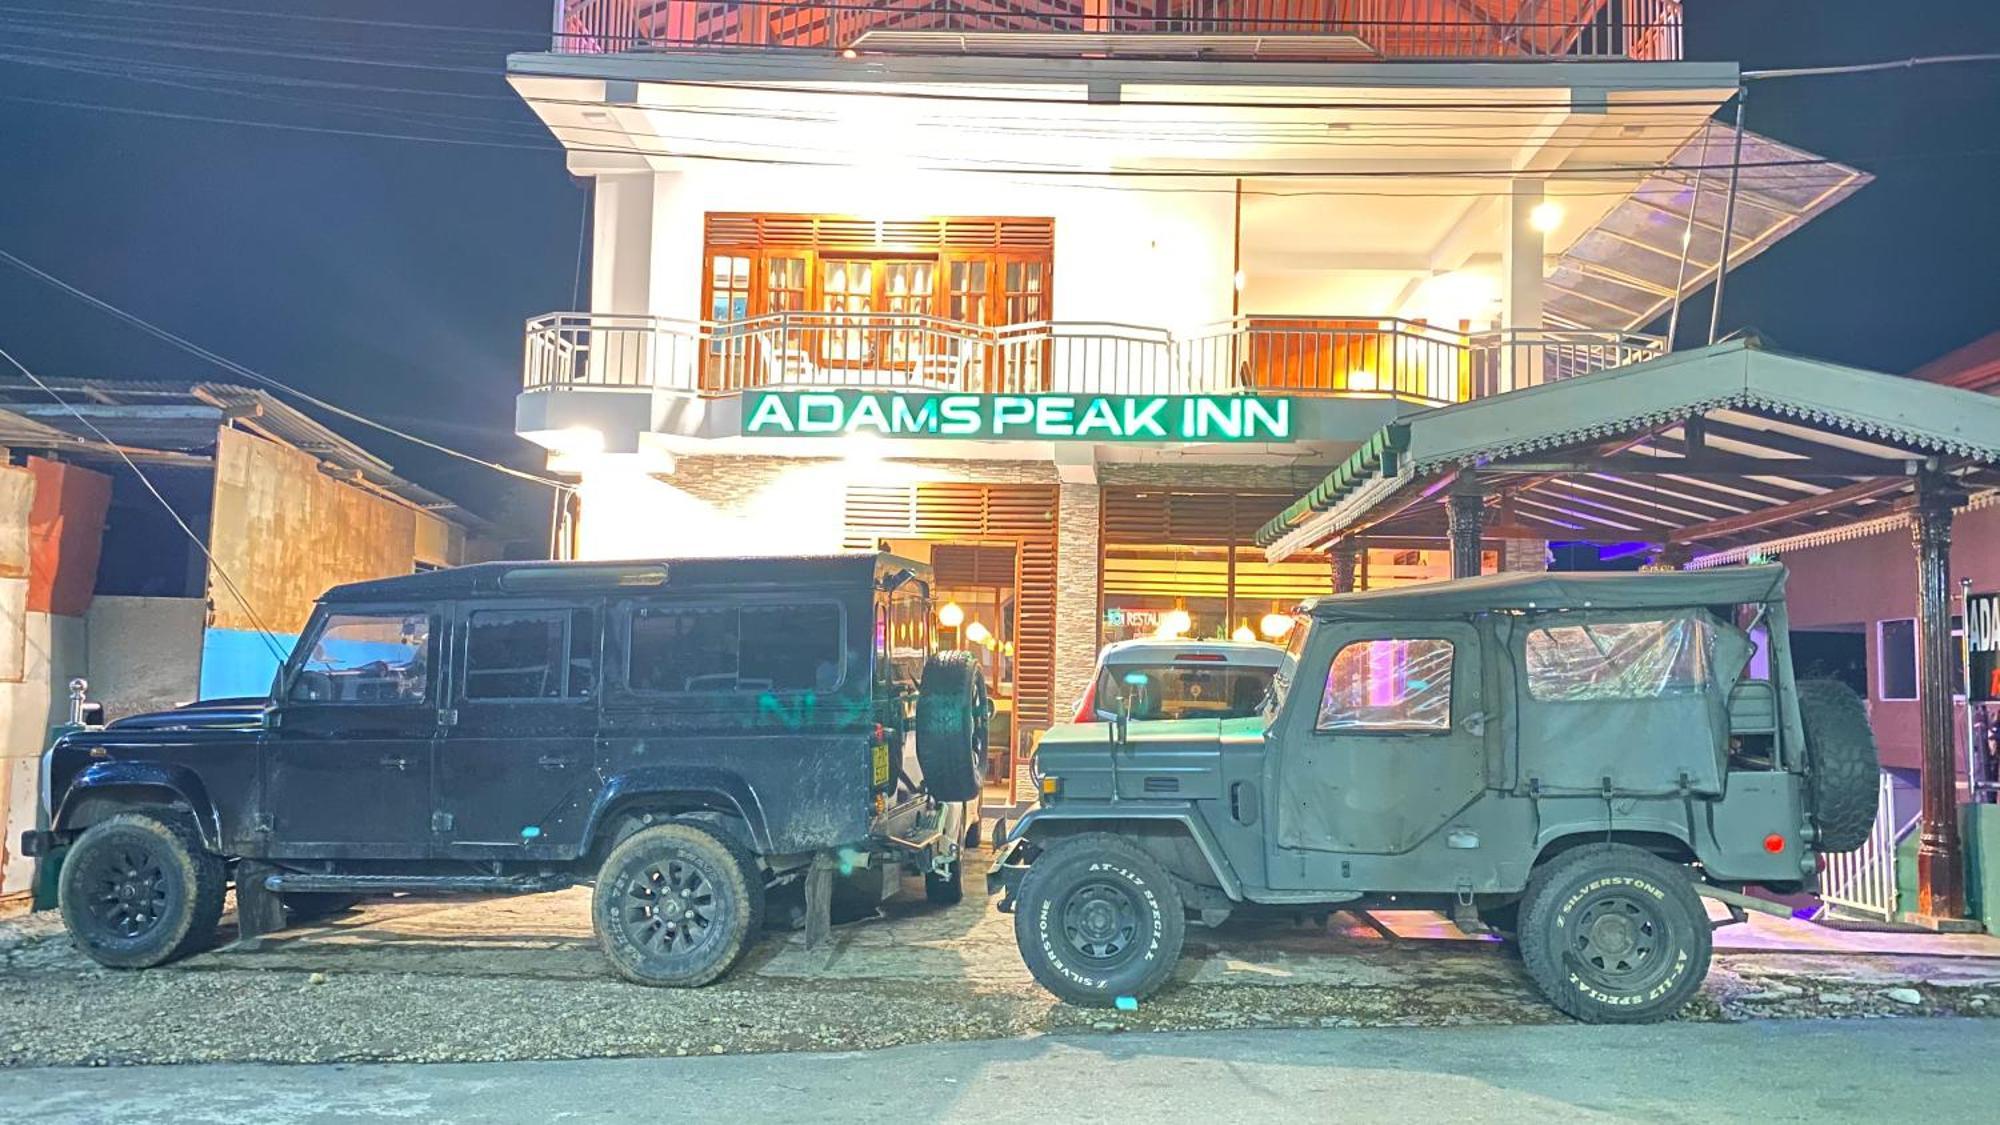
x=1381 y=746
x=517 y=767
x=347 y=752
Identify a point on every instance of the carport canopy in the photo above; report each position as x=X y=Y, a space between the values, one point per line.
x=1707 y=452
x=1707 y=455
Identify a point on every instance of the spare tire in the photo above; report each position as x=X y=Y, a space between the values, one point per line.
x=1844 y=768
x=951 y=726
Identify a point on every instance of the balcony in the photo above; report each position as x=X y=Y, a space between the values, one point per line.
x=1369 y=357
x=1352 y=30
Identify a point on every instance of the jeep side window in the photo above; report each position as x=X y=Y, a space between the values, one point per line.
x=367 y=658
x=1388 y=687
x=530 y=654
x=716 y=648
x=1618 y=660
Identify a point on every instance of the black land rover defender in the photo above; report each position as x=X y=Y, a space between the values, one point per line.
x=686 y=734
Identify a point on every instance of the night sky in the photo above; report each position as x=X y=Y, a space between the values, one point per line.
x=393 y=276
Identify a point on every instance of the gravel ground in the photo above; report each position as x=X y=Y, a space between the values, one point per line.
x=519 y=979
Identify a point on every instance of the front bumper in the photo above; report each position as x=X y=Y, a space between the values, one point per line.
x=1010 y=864
x=36 y=845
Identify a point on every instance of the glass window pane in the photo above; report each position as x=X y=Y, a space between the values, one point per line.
x=724 y=648
x=367 y=658
x=515 y=655
x=582 y=654
x=1896 y=650
x=791 y=648
x=1624 y=660
x=1389 y=686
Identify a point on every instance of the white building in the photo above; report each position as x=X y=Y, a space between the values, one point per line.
x=862 y=273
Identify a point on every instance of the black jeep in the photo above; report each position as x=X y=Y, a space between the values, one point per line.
x=686 y=734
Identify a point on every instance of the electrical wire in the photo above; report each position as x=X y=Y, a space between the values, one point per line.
x=258 y=377
x=270 y=638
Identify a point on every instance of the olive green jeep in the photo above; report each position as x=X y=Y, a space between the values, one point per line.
x=1573 y=761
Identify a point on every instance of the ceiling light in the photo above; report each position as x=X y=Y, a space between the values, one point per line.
x=1546 y=216
x=950 y=615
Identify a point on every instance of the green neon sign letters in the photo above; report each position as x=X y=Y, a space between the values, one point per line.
x=1038 y=417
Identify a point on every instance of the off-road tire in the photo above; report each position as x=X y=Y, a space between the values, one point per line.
x=1081 y=882
x=1580 y=910
x=723 y=908
x=951 y=726
x=306 y=906
x=1844 y=766
x=947 y=889
x=156 y=859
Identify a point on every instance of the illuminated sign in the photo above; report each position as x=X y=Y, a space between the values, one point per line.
x=1040 y=417
x=1982 y=636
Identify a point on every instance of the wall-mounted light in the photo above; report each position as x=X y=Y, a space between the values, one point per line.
x=1545 y=216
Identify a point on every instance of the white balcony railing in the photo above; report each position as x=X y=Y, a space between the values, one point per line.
x=1638 y=30
x=1346 y=356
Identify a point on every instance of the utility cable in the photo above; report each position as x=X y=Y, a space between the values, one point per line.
x=235 y=368
x=270 y=638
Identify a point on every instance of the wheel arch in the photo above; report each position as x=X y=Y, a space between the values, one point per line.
x=1668 y=845
x=1174 y=837
x=104 y=790
x=632 y=798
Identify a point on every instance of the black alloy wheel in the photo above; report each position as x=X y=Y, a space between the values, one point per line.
x=137 y=890
x=677 y=904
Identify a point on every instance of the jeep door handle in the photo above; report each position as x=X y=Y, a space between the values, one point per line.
x=554 y=763
x=1474 y=724
x=391 y=761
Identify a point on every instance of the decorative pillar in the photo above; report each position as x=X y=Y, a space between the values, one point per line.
x=1345 y=556
x=1077 y=581
x=1940 y=857
x=1465 y=515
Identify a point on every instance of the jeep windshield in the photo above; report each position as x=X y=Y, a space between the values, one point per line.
x=1184 y=691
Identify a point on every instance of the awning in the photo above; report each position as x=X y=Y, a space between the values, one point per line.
x=1622 y=273
x=1710 y=450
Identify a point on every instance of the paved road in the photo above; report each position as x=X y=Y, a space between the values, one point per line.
x=1938 y=1070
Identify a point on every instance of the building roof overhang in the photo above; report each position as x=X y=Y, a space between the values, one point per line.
x=1709 y=450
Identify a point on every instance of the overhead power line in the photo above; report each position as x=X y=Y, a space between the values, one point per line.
x=258 y=377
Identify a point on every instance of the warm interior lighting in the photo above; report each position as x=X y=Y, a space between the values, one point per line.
x=1360 y=379
x=978 y=634
x=1175 y=623
x=850 y=53
x=951 y=615
x=1243 y=634
x=1545 y=216
x=1239 y=279
x=1275 y=625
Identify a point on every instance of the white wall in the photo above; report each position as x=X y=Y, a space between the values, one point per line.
x=55 y=651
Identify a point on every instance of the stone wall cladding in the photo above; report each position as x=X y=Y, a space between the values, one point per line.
x=1524 y=554
x=1077 y=530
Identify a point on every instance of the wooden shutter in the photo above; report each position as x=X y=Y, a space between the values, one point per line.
x=1195 y=519
x=964 y=564
x=1035 y=633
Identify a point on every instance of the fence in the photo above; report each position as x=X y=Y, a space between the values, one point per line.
x=1863 y=881
x=1645 y=30
x=1350 y=356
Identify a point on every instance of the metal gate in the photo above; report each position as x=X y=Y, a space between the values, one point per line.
x=1863 y=881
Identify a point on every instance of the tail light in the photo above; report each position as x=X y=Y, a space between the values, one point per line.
x=1086 y=711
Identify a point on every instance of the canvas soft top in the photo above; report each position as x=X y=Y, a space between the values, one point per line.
x=1521 y=592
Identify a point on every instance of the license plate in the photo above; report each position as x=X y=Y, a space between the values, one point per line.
x=881 y=764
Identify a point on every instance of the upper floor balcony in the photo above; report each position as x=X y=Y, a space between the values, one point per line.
x=1344 y=30
x=1312 y=357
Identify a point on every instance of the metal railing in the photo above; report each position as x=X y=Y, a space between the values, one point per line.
x=1644 y=30
x=1863 y=881
x=1348 y=356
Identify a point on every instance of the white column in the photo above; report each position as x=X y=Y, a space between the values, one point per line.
x=1521 y=282
x=621 y=259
